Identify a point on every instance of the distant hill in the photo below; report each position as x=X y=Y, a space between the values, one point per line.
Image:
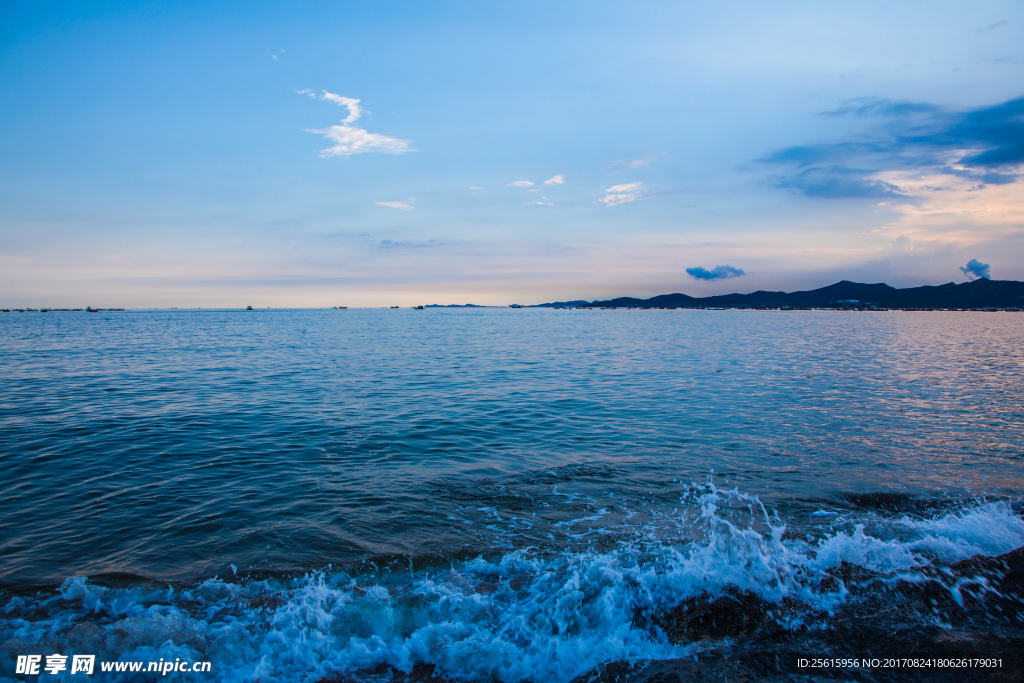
x=454 y=306
x=981 y=293
x=564 y=304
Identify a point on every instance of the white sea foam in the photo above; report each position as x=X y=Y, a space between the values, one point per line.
x=520 y=616
x=988 y=529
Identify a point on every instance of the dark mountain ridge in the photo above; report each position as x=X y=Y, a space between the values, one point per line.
x=564 y=304
x=981 y=293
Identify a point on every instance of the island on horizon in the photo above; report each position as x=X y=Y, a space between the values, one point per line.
x=978 y=294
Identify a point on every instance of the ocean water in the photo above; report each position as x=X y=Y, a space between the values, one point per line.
x=509 y=495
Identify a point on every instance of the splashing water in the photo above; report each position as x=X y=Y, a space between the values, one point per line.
x=523 y=615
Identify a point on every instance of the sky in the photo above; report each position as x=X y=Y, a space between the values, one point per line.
x=158 y=154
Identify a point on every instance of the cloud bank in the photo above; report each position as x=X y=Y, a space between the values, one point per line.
x=837 y=182
x=975 y=270
x=985 y=145
x=716 y=273
x=349 y=139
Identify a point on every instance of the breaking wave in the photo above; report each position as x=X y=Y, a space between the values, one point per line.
x=529 y=614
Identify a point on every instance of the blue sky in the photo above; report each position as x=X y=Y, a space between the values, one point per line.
x=173 y=154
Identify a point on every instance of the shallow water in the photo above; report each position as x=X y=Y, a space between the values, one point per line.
x=497 y=492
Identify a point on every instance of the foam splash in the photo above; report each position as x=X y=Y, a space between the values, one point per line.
x=523 y=615
x=988 y=529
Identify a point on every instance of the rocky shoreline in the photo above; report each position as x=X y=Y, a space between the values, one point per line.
x=972 y=610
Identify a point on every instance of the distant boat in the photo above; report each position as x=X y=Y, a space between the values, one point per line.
x=394 y=307
x=417 y=308
x=248 y=308
x=515 y=306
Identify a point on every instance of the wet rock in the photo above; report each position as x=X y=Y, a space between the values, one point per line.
x=978 y=590
x=1007 y=569
x=846 y=575
x=519 y=582
x=731 y=615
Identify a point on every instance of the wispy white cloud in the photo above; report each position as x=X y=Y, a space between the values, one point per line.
x=354 y=110
x=521 y=183
x=474 y=187
x=557 y=180
x=540 y=203
x=349 y=139
x=625 y=164
x=407 y=205
x=622 y=194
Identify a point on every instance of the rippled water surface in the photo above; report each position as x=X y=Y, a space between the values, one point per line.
x=182 y=445
x=170 y=444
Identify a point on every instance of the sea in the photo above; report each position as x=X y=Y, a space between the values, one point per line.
x=494 y=494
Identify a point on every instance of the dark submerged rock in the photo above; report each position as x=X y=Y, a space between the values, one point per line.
x=732 y=615
x=973 y=609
